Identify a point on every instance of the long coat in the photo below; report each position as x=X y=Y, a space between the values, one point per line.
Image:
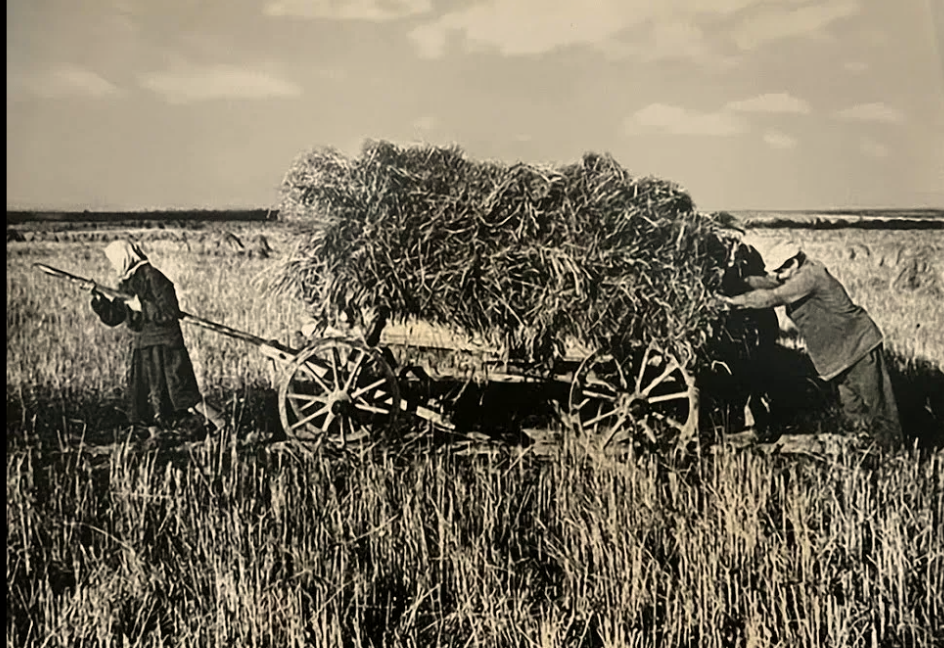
x=161 y=380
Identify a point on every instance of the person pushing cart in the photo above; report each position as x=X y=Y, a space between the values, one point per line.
x=844 y=343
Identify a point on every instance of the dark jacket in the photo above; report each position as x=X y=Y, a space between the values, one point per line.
x=837 y=332
x=158 y=322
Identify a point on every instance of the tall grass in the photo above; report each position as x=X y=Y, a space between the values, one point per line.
x=227 y=544
x=215 y=549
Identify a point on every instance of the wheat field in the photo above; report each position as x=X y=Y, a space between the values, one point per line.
x=229 y=542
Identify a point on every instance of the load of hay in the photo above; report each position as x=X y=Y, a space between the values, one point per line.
x=525 y=257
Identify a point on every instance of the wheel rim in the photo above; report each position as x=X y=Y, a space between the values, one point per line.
x=646 y=401
x=337 y=391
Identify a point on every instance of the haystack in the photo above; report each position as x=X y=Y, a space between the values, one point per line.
x=229 y=241
x=523 y=256
x=920 y=270
x=857 y=250
x=259 y=247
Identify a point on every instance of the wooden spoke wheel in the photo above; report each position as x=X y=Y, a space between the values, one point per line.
x=337 y=391
x=646 y=401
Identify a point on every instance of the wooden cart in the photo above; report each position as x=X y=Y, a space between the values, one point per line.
x=343 y=389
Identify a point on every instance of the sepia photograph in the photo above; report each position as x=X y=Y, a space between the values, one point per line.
x=475 y=323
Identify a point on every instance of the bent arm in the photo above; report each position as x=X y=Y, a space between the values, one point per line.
x=110 y=312
x=791 y=290
x=762 y=282
x=163 y=308
x=757 y=299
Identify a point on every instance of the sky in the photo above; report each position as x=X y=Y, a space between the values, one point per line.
x=748 y=104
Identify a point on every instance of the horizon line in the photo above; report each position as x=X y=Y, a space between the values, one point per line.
x=138 y=210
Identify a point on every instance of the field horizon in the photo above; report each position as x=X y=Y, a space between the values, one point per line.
x=262 y=213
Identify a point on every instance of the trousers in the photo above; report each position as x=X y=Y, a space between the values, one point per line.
x=867 y=400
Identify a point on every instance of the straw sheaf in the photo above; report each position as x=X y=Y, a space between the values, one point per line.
x=522 y=255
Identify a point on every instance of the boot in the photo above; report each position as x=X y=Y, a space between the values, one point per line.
x=208 y=412
x=156 y=435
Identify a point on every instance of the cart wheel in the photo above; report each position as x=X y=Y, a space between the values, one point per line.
x=338 y=391
x=647 y=401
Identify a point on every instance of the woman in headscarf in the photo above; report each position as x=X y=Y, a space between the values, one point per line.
x=161 y=379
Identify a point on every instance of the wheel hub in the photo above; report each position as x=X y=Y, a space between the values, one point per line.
x=637 y=405
x=340 y=403
x=639 y=408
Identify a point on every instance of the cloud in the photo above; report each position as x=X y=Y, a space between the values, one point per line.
x=781 y=102
x=61 y=82
x=696 y=30
x=641 y=28
x=331 y=73
x=779 y=23
x=875 y=37
x=525 y=27
x=872 y=112
x=727 y=120
x=204 y=83
x=778 y=140
x=425 y=123
x=430 y=39
x=676 y=120
x=665 y=41
x=872 y=148
x=368 y=10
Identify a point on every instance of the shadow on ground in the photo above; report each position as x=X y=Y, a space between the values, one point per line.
x=919 y=390
x=797 y=402
x=800 y=403
x=63 y=419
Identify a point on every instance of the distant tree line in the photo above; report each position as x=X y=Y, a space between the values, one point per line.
x=841 y=223
x=207 y=215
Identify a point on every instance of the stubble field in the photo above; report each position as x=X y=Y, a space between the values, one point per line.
x=234 y=543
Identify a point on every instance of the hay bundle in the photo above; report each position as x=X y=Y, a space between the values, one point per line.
x=862 y=250
x=524 y=256
x=919 y=271
x=259 y=247
x=228 y=241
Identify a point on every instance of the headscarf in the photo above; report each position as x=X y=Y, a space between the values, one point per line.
x=125 y=257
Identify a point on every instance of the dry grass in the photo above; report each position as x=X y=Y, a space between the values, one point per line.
x=228 y=544
x=219 y=548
